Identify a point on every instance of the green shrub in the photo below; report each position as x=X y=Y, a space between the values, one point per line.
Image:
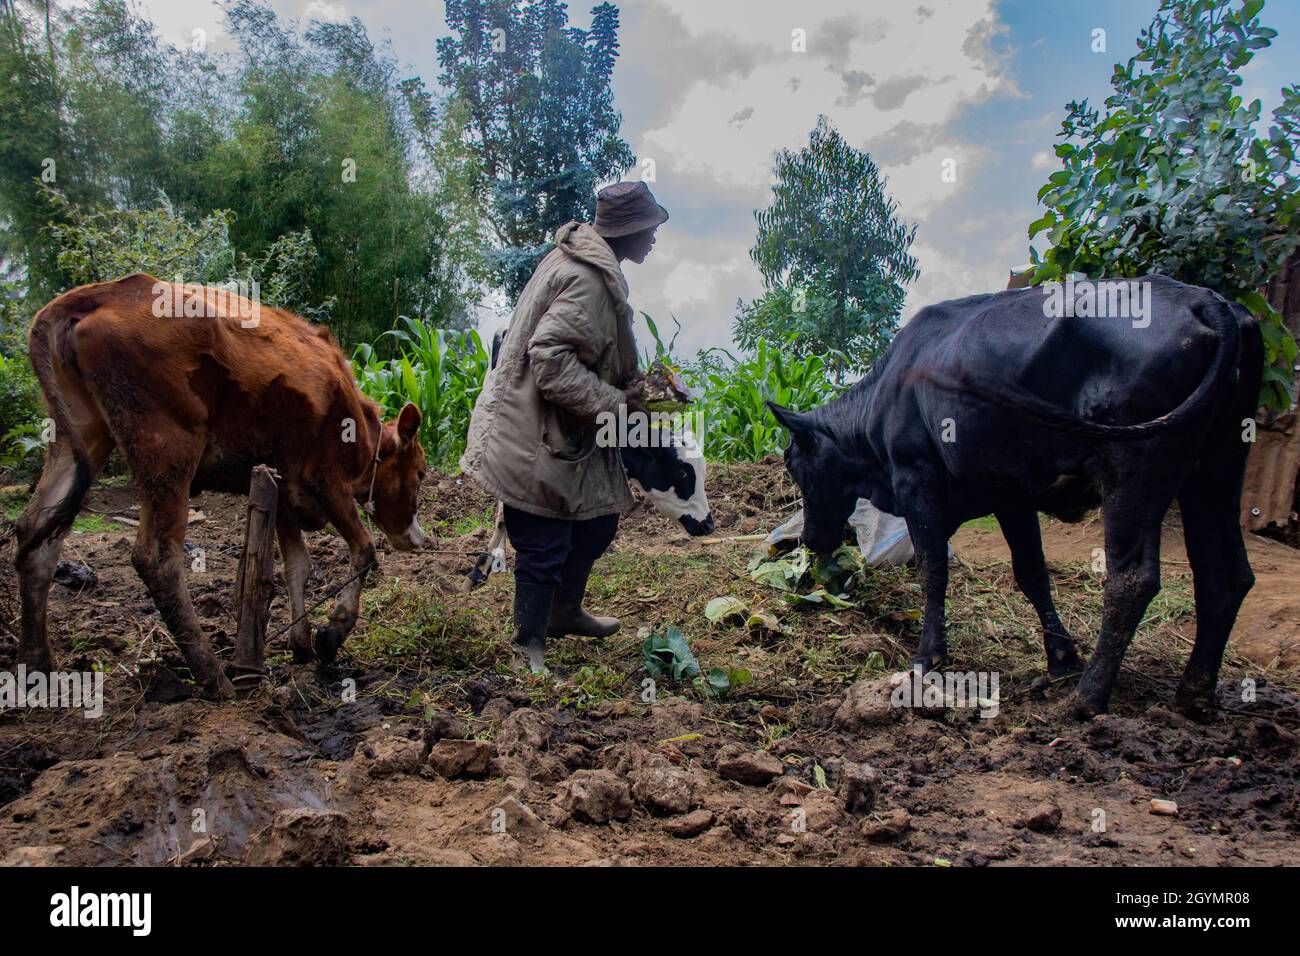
x=21 y=414
x=439 y=370
x=734 y=391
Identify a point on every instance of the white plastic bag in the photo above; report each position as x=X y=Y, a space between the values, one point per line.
x=882 y=537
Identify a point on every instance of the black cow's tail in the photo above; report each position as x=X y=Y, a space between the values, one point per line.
x=1218 y=314
x=50 y=329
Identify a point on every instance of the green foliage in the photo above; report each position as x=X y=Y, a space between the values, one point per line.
x=1174 y=177
x=21 y=411
x=103 y=245
x=441 y=371
x=812 y=323
x=21 y=414
x=540 y=117
x=834 y=255
x=738 y=424
x=669 y=655
x=591 y=686
x=299 y=139
x=805 y=578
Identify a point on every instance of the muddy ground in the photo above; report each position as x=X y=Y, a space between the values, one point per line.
x=446 y=757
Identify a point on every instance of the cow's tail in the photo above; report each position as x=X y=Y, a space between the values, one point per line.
x=49 y=334
x=1217 y=314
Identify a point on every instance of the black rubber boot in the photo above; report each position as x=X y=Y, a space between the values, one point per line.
x=532 y=611
x=567 y=614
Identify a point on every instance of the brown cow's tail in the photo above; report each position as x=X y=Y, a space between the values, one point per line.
x=1219 y=315
x=50 y=330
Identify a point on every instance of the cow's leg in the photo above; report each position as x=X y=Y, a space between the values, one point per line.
x=342 y=512
x=1210 y=501
x=1024 y=538
x=41 y=529
x=297 y=568
x=931 y=545
x=1132 y=580
x=159 y=558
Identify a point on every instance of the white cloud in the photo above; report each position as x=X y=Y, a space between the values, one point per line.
x=897 y=77
x=325 y=11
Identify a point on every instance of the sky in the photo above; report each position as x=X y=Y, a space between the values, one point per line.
x=710 y=90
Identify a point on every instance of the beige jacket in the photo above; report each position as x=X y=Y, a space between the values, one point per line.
x=566 y=356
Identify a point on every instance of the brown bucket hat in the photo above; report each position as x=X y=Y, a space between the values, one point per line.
x=625 y=208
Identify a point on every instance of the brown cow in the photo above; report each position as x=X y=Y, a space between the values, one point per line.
x=195 y=401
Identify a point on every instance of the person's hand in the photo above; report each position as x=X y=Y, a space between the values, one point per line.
x=633 y=398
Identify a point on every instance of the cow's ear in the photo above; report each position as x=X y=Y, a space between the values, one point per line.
x=408 y=422
x=796 y=422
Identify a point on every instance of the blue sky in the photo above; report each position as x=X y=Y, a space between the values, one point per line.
x=711 y=89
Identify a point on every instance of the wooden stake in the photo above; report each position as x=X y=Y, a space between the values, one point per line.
x=256 y=577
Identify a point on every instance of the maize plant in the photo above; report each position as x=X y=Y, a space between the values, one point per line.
x=441 y=371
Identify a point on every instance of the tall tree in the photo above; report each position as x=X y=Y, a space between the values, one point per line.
x=1174 y=178
x=540 y=117
x=834 y=255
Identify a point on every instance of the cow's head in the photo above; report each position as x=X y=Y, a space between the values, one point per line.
x=672 y=477
x=397 y=480
x=820 y=469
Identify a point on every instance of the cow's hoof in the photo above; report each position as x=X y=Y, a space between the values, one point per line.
x=928 y=662
x=1200 y=706
x=37 y=660
x=1063 y=659
x=218 y=688
x=328 y=641
x=1081 y=708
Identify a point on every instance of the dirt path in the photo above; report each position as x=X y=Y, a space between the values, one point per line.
x=423 y=748
x=1268 y=628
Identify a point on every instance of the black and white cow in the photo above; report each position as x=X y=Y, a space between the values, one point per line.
x=672 y=478
x=1000 y=404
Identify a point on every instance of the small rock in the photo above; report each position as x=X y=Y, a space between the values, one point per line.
x=754 y=768
x=858 y=788
x=793 y=787
x=523 y=730
x=75 y=575
x=500 y=849
x=460 y=758
x=596 y=796
x=894 y=825
x=32 y=856
x=391 y=755
x=867 y=704
x=1164 y=808
x=1044 y=818
x=514 y=816
x=443 y=724
x=674 y=716
x=821 y=812
x=663 y=790
x=809 y=843
x=301 y=837
x=200 y=850
x=689 y=825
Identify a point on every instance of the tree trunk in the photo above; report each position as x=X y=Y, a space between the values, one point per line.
x=256 y=578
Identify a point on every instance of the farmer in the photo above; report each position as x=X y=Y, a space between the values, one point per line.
x=568 y=356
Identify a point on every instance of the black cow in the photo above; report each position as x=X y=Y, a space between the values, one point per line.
x=991 y=405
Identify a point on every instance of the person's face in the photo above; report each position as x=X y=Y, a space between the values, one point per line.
x=639 y=244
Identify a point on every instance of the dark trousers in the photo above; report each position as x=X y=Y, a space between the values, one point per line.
x=543 y=546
